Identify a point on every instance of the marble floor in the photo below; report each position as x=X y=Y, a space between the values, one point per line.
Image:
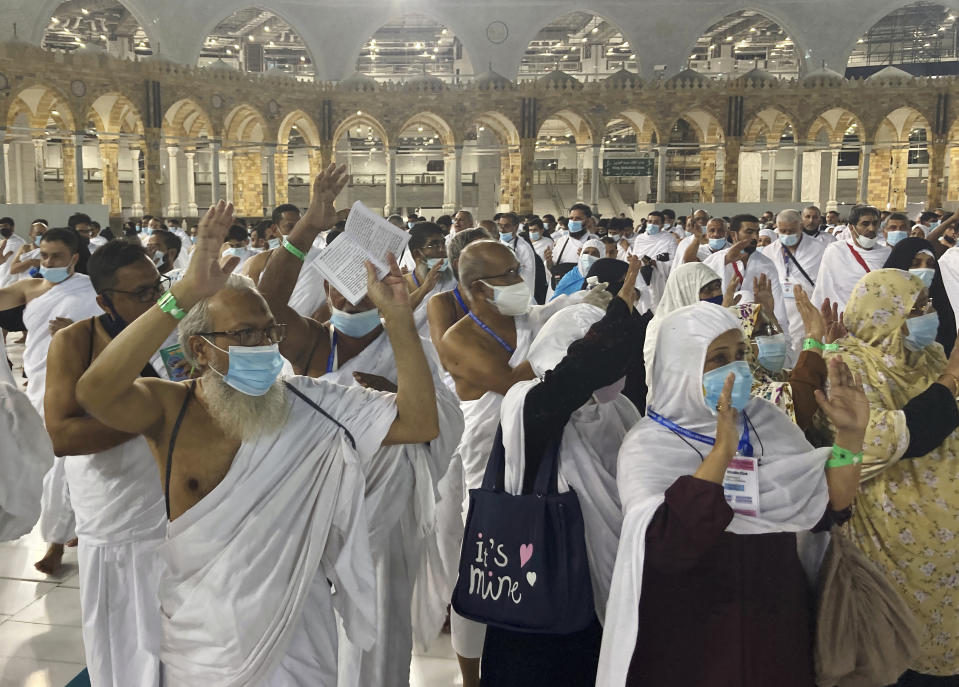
x=40 y=639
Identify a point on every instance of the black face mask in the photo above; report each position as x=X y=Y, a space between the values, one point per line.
x=578 y=234
x=948 y=239
x=810 y=232
x=6 y=232
x=751 y=248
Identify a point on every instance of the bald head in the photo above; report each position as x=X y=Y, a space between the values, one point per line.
x=489 y=226
x=482 y=259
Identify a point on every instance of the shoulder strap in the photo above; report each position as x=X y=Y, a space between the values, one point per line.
x=547 y=477
x=859 y=259
x=173 y=436
x=789 y=256
x=325 y=414
x=93 y=326
x=494 y=478
x=561 y=251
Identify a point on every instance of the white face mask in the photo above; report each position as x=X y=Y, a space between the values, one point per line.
x=866 y=242
x=511 y=300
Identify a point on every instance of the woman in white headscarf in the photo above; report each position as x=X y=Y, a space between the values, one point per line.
x=688 y=284
x=572 y=281
x=693 y=601
x=581 y=357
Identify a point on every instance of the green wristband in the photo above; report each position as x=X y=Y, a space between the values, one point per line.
x=293 y=249
x=841 y=458
x=168 y=304
x=809 y=344
x=831 y=347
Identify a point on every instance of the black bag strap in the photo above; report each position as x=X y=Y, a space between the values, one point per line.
x=173 y=436
x=547 y=476
x=790 y=256
x=349 y=436
x=561 y=251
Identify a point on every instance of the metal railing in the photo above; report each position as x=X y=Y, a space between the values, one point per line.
x=427 y=179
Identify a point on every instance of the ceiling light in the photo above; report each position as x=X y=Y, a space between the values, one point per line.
x=436 y=49
x=229 y=52
x=236 y=46
x=595 y=29
x=83 y=10
x=729 y=39
x=432 y=57
x=266 y=28
x=55 y=20
x=102 y=37
x=419 y=128
x=482 y=128
x=250 y=38
x=272 y=44
x=55 y=112
x=443 y=32
x=359 y=113
x=302 y=58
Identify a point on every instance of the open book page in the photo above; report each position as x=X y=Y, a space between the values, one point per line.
x=367 y=237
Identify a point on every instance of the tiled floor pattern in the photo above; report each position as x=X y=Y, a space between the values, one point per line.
x=40 y=640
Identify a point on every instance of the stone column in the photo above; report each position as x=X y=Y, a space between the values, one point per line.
x=109 y=171
x=281 y=175
x=864 y=156
x=457 y=177
x=78 y=166
x=390 y=207
x=731 y=170
x=152 y=171
x=269 y=154
x=661 y=174
x=137 y=208
x=771 y=178
x=797 y=174
x=452 y=183
x=937 y=171
x=173 y=182
x=594 y=179
x=229 y=176
x=214 y=172
x=4 y=190
x=580 y=175
x=833 y=179
x=190 y=155
x=527 y=153
x=39 y=165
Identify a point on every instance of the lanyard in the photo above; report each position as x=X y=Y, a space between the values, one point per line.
x=415 y=280
x=859 y=259
x=745 y=448
x=738 y=274
x=459 y=299
x=485 y=327
x=329 y=361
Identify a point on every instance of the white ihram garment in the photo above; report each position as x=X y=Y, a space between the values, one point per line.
x=25 y=456
x=839 y=270
x=411 y=557
x=809 y=254
x=246 y=594
x=792 y=482
x=14 y=243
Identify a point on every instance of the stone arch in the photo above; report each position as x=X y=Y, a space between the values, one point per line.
x=493 y=143
x=596 y=39
x=899 y=157
x=245 y=124
x=694 y=142
x=833 y=125
x=303 y=123
x=575 y=122
x=284 y=50
x=299 y=158
x=769 y=123
x=436 y=123
x=186 y=119
x=748 y=32
x=361 y=119
x=116 y=114
x=435 y=49
x=646 y=130
x=40 y=104
x=119 y=19
x=913 y=33
x=361 y=142
x=501 y=125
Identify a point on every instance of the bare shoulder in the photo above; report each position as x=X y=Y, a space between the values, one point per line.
x=32 y=288
x=254 y=266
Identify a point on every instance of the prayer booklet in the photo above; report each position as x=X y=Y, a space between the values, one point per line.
x=367 y=237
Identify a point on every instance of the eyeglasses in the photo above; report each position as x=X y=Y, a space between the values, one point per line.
x=513 y=272
x=253 y=337
x=918 y=311
x=147 y=293
x=436 y=245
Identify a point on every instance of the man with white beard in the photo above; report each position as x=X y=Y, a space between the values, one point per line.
x=263 y=477
x=121 y=520
x=414 y=579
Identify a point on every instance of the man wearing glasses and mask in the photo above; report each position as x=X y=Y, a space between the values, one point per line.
x=120 y=516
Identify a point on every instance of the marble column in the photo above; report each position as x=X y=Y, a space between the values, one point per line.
x=173 y=177
x=833 y=179
x=864 y=156
x=452 y=184
x=137 y=207
x=229 y=176
x=390 y=155
x=661 y=158
x=797 y=174
x=594 y=179
x=39 y=165
x=190 y=156
x=771 y=177
x=4 y=191
x=269 y=154
x=78 y=165
x=214 y=172
x=580 y=175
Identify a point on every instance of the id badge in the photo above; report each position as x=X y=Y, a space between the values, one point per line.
x=741 y=486
x=788 y=285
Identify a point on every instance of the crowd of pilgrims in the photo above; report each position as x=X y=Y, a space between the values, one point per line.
x=268 y=484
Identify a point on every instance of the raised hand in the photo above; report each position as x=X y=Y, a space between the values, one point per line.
x=598 y=296
x=390 y=295
x=628 y=292
x=729 y=295
x=835 y=325
x=433 y=276
x=727 y=421
x=58 y=323
x=813 y=321
x=206 y=275
x=321 y=214
x=738 y=252
x=763 y=294
x=692 y=226
x=846 y=406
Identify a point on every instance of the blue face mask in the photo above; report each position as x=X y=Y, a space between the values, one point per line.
x=717 y=244
x=54 y=274
x=148 y=231
x=506 y=238
x=253 y=369
x=772 y=352
x=411 y=224
x=652 y=229
x=433 y=262
x=615 y=237
x=922 y=331
x=789 y=240
x=274 y=243
x=714 y=380
x=535 y=236
x=575 y=226
x=585 y=262
x=924 y=273
x=894 y=237
x=37 y=240
x=355 y=324
x=234 y=252
x=717 y=300
x=933 y=225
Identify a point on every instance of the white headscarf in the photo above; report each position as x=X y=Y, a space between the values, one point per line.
x=769 y=233
x=682 y=289
x=591 y=243
x=588 y=449
x=792 y=482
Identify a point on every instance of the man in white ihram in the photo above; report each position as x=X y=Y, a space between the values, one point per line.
x=263 y=477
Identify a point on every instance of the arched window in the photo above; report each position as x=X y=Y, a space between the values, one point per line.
x=106 y=27
x=411 y=46
x=256 y=40
x=923 y=33
x=743 y=41
x=582 y=44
